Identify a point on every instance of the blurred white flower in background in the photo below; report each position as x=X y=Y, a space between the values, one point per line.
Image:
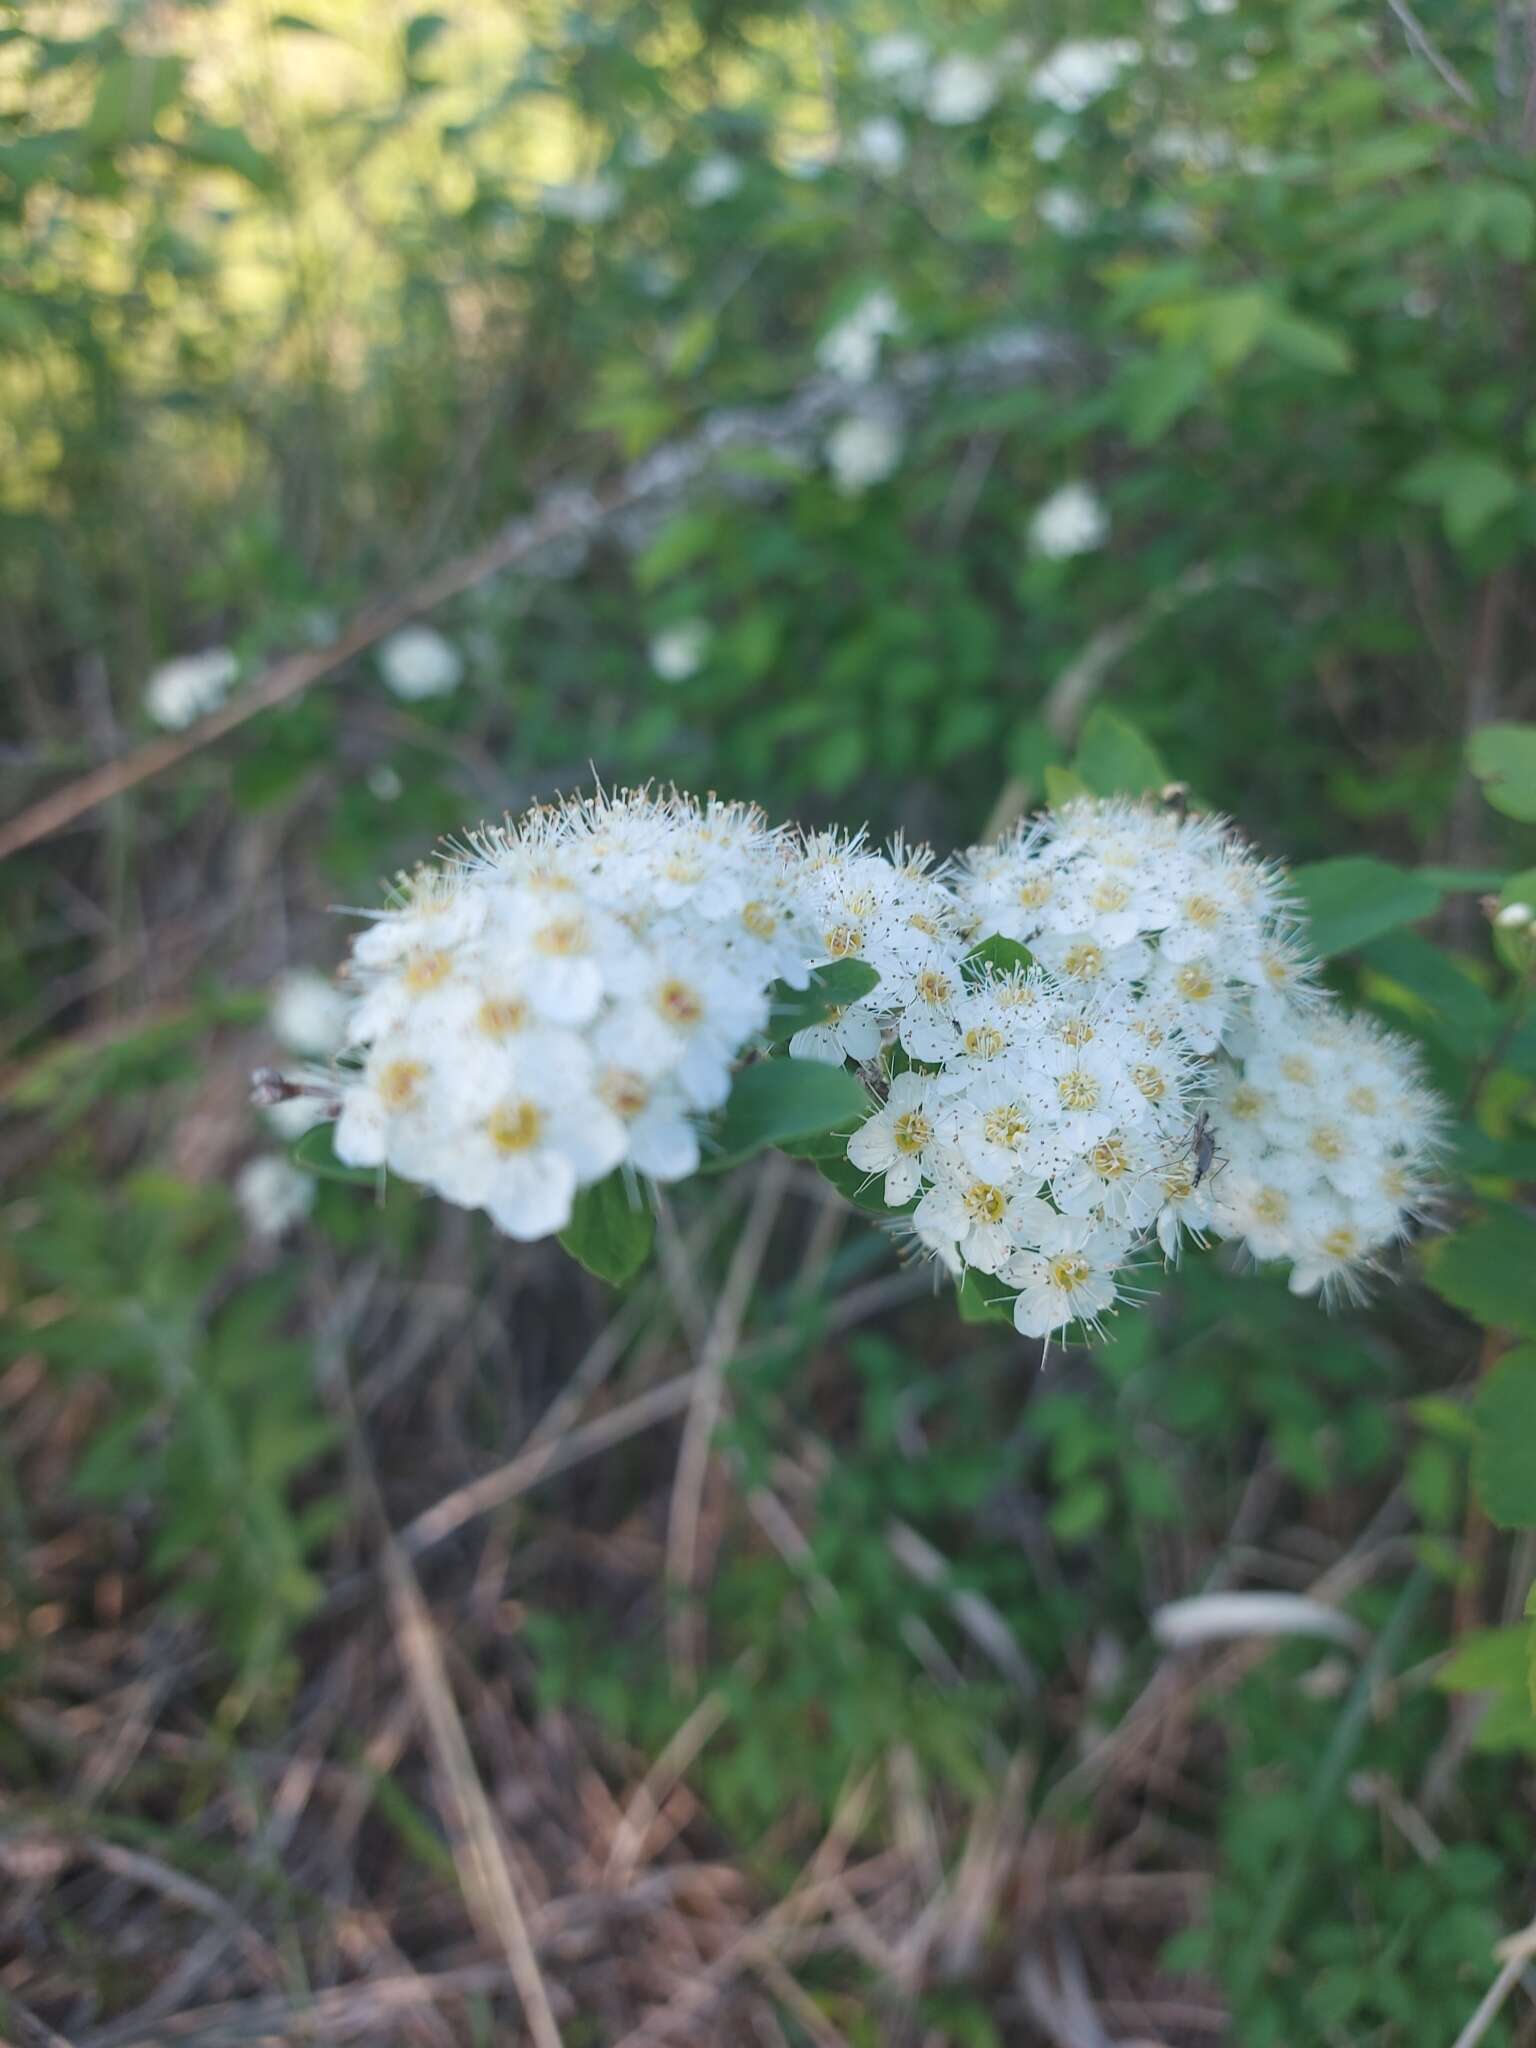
x=1077 y=73
x=1067 y=212
x=851 y=349
x=191 y=686
x=863 y=449
x=716 y=178
x=879 y=144
x=898 y=60
x=1071 y=521
x=677 y=652
x=418 y=662
x=308 y=1012
x=272 y=1195
x=384 y=783
x=1051 y=140
x=959 y=89
x=586 y=201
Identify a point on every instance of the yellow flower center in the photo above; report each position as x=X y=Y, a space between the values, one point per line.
x=1195 y=982
x=1244 y=1103
x=920 y=923
x=1005 y=1124
x=933 y=986
x=1342 y=1242
x=759 y=920
x=500 y=1016
x=562 y=937
x=427 y=970
x=842 y=940
x=1179 y=1181
x=984 y=1041
x=684 y=867
x=1035 y=892
x=624 y=1092
x=1078 y=1090
x=398 y=1083
x=1084 y=961
x=1298 y=1069
x=1203 y=911
x=1395 y=1184
x=1150 y=1082
x=1364 y=1100
x=681 y=1005
x=1108 y=1159
x=1327 y=1143
x=985 y=1203
x=1075 y=1031
x=911 y=1131
x=1069 y=1270
x=1112 y=894
x=1270 y=1206
x=514 y=1127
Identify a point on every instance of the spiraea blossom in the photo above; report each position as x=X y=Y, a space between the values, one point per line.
x=894 y=912
x=1089 y=1043
x=564 y=996
x=1330 y=1136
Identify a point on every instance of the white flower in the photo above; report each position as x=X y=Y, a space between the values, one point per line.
x=586 y=201
x=851 y=348
x=417 y=662
x=879 y=144
x=1514 y=917
x=678 y=652
x=1077 y=73
x=864 y=448
x=1052 y=140
x=384 y=783
x=959 y=89
x=309 y=1013
x=190 y=687
x=1064 y=211
x=712 y=180
x=1072 y=521
x=899 y=60
x=894 y=1139
x=1067 y=1276
x=272 y=1195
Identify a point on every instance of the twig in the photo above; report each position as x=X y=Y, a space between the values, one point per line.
x=1516 y=1952
x=720 y=1342
x=1417 y=35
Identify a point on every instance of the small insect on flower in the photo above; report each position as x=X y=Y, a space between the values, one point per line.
x=1202 y=1145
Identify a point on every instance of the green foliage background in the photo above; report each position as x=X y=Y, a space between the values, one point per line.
x=295 y=308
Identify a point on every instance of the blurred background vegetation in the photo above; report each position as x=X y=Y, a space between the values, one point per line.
x=856 y=408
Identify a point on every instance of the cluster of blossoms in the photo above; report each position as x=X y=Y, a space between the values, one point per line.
x=1057 y=1120
x=1097 y=1035
x=1328 y=1134
x=563 y=997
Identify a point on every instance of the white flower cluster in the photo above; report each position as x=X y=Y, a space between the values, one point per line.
x=1096 y=1035
x=565 y=996
x=898 y=916
x=1328 y=1134
x=1043 y=1125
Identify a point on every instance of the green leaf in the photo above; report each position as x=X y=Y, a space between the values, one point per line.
x=1504 y=1462
x=1485 y=1660
x=1488 y=1270
x=1503 y=758
x=420 y=31
x=1308 y=344
x=315 y=1153
x=231 y=149
x=832 y=987
x=1355 y=899
x=1471 y=489
x=1081 y=1511
x=1063 y=784
x=134 y=89
x=1113 y=759
x=982 y=1298
x=610 y=1230
x=1156 y=392
x=996 y=955
x=779 y=1100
